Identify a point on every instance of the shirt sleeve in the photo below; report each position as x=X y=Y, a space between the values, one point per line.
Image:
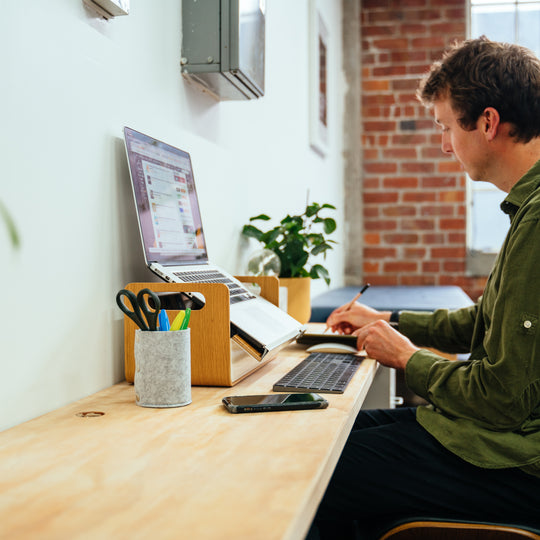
x=499 y=386
x=448 y=331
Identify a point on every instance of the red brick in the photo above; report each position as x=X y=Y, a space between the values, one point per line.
x=378 y=198
x=396 y=43
x=401 y=182
x=375 y=86
x=449 y=166
x=414 y=252
x=379 y=253
x=418 y=224
x=452 y=224
x=428 y=42
x=448 y=252
x=380 y=280
x=433 y=238
x=389 y=71
x=380 y=167
x=439 y=182
x=400 y=153
x=378 y=99
x=372 y=239
x=431 y=266
x=380 y=225
x=405 y=84
x=371 y=267
x=400 y=266
x=408 y=56
x=418 y=167
x=451 y=196
x=409 y=139
x=419 y=196
x=457 y=238
x=371 y=183
x=400 y=238
x=454 y=266
x=379 y=126
x=440 y=210
x=399 y=210
x=371 y=211
x=417 y=280
x=411 y=28
x=379 y=30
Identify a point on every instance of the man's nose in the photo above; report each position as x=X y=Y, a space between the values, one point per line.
x=446 y=146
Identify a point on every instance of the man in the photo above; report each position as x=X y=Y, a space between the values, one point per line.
x=474 y=452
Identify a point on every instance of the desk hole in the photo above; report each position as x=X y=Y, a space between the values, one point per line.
x=90 y=414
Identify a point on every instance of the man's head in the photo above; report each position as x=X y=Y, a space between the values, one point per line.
x=480 y=73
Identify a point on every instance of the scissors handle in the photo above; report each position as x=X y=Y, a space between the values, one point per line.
x=150 y=314
x=134 y=313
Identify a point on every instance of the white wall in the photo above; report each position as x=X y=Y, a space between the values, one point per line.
x=69 y=83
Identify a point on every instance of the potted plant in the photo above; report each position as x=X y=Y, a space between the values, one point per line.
x=295 y=240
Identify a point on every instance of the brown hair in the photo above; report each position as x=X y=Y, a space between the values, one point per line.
x=480 y=73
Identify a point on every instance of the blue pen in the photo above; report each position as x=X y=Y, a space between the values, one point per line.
x=164 y=323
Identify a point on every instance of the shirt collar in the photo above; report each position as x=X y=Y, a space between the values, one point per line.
x=528 y=183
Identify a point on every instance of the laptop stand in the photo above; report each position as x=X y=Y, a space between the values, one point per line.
x=216 y=358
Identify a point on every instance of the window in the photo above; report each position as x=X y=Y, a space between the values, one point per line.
x=514 y=21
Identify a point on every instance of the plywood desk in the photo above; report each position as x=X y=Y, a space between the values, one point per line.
x=196 y=472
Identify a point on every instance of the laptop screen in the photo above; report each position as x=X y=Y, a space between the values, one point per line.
x=166 y=201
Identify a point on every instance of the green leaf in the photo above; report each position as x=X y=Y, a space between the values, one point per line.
x=10 y=224
x=262 y=217
x=252 y=232
x=329 y=225
x=319 y=271
x=312 y=209
x=270 y=236
x=321 y=248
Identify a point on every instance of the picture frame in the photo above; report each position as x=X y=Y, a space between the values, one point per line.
x=318 y=80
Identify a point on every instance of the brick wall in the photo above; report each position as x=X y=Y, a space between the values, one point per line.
x=414 y=207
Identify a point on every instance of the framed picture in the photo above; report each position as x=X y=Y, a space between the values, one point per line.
x=318 y=81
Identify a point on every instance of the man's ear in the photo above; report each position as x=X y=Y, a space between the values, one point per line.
x=490 y=122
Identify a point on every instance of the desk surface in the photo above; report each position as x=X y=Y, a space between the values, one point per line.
x=195 y=472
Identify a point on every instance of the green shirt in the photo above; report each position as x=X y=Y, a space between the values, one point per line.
x=487 y=409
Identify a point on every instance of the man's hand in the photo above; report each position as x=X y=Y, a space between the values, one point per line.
x=385 y=344
x=346 y=321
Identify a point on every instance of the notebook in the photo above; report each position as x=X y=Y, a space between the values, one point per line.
x=174 y=246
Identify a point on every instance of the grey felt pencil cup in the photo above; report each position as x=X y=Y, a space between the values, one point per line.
x=162 y=368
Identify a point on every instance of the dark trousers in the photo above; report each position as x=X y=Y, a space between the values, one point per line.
x=391 y=468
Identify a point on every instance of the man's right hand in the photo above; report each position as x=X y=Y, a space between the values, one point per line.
x=343 y=321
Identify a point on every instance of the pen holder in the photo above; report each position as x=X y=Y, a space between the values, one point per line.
x=162 y=368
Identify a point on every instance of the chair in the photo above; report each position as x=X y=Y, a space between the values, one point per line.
x=429 y=529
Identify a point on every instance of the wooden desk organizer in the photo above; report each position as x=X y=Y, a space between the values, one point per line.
x=216 y=359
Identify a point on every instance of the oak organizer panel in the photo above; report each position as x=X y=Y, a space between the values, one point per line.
x=216 y=358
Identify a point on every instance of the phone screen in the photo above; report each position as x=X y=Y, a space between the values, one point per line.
x=270 y=402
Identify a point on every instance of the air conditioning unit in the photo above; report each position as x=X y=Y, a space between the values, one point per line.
x=223 y=44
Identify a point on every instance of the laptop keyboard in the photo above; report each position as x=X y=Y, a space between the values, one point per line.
x=320 y=372
x=237 y=292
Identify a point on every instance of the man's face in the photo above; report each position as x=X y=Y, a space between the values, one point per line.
x=468 y=147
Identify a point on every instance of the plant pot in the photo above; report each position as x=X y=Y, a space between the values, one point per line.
x=298 y=297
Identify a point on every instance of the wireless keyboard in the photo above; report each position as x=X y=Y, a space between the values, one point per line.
x=328 y=373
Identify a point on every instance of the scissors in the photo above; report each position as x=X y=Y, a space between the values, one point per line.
x=139 y=306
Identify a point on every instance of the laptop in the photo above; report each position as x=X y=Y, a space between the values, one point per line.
x=174 y=246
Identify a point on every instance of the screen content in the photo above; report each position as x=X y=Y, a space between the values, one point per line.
x=167 y=205
x=275 y=399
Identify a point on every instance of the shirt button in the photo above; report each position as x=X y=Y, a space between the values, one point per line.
x=527 y=324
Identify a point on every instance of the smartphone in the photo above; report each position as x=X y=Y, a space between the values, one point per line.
x=274 y=402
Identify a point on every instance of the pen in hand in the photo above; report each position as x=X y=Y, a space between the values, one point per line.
x=351 y=303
